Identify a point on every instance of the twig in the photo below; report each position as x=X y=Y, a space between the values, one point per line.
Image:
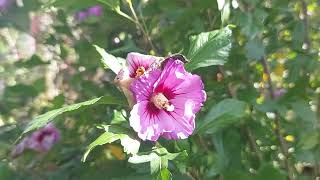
x=141 y=27
x=247 y=129
x=253 y=144
x=305 y=21
x=277 y=129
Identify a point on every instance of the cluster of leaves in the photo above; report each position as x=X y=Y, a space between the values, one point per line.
x=246 y=130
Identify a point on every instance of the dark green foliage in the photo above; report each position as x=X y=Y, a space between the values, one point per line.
x=259 y=60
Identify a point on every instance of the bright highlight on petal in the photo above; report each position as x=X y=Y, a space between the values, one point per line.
x=166 y=102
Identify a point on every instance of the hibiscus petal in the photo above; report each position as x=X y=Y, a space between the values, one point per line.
x=136 y=60
x=185 y=92
x=149 y=122
x=170 y=77
x=184 y=120
x=142 y=87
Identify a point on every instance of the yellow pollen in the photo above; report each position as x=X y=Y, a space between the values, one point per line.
x=161 y=102
x=140 y=71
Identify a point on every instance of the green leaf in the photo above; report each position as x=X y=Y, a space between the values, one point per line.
x=309 y=140
x=113 y=4
x=164 y=174
x=209 y=48
x=158 y=158
x=138 y=159
x=224 y=7
x=105 y=138
x=113 y=133
x=268 y=172
x=109 y=61
x=44 y=119
x=254 y=49
x=5 y=171
x=303 y=110
x=222 y=115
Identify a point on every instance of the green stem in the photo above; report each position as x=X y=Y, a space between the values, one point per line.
x=283 y=145
x=141 y=27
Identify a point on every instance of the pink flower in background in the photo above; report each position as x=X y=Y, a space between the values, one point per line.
x=81 y=16
x=166 y=102
x=43 y=139
x=18 y=149
x=95 y=11
x=137 y=64
x=279 y=92
x=40 y=141
x=91 y=11
x=4 y=4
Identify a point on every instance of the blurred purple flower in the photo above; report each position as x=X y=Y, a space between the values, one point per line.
x=4 y=4
x=95 y=11
x=279 y=92
x=43 y=139
x=40 y=141
x=18 y=149
x=81 y=15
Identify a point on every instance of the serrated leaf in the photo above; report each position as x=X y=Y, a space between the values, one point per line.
x=137 y=159
x=164 y=174
x=158 y=158
x=113 y=4
x=113 y=133
x=209 y=48
x=222 y=115
x=105 y=138
x=130 y=145
x=109 y=61
x=42 y=120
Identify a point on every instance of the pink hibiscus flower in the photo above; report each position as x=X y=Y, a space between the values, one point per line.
x=166 y=102
x=40 y=141
x=137 y=64
x=43 y=139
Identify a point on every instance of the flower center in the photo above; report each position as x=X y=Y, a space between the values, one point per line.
x=161 y=102
x=140 y=71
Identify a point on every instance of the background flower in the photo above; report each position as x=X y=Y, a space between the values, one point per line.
x=40 y=141
x=95 y=11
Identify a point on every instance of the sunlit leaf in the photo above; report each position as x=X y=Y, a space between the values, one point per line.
x=105 y=138
x=110 y=61
x=113 y=4
x=158 y=158
x=113 y=133
x=209 y=48
x=44 y=119
x=164 y=174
